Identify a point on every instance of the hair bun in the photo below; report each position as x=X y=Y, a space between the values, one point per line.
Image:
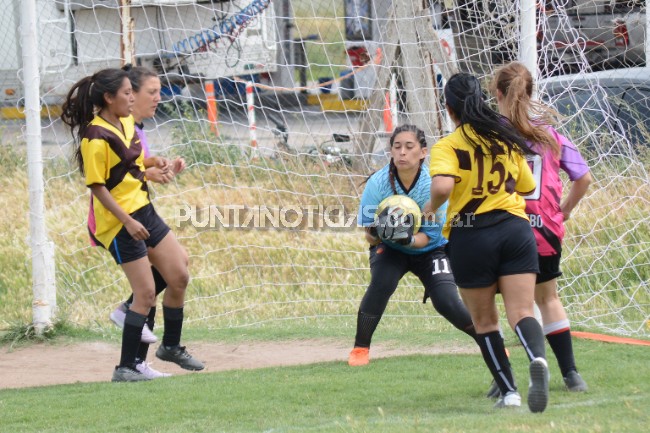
x=127 y=67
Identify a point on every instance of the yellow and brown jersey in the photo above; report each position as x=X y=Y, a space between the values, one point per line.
x=483 y=183
x=115 y=160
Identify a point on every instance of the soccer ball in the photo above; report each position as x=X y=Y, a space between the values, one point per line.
x=407 y=205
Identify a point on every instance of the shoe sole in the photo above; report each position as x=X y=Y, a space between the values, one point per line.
x=184 y=367
x=538 y=391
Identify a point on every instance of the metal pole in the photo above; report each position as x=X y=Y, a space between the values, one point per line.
x=126 y=41
x=528 y=43
x=647 y=33
x=41 y=249
x=393 y=99
x=252 y=126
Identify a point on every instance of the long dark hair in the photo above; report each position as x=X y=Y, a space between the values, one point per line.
x=83 y=98
x=464 y=97
x=137 y=75
x=392 y=168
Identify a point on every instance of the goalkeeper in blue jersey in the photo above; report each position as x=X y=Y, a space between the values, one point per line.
x=396 y=250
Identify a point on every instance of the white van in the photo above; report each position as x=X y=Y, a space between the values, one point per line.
x=184 y=40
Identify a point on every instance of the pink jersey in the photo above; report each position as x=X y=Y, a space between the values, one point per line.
x=91 y=214
x=543 y=206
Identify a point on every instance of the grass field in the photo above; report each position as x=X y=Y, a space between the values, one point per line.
x=442 y=393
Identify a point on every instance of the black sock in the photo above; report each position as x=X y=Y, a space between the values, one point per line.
x=173 y=326
x=144 y=347
x=131 y=336
x=366 y=325
x=495 y=357
x=563 y=350
x=531 y=336
x=159 y=281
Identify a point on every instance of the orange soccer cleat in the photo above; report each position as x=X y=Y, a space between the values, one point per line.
x=359 y=356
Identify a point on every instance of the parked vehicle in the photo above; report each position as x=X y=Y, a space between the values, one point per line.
x=609 y=34
x=186 y=41
x=613 y=101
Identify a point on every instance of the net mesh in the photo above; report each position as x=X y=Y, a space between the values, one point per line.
x=281 y=110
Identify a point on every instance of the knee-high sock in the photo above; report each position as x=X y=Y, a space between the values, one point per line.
x=131 y=336
x=494 y=354
x=530 y=334
x=558 y=335
x=173 y=326
x=366 y=325
x=144 y=347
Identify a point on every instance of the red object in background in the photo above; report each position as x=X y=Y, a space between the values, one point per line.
x=358 y=56
x=621 y=35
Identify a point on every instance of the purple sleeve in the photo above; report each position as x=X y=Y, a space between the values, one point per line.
x=143 y=142
x=570 y=160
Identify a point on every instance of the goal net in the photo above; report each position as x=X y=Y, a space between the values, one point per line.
x=282 y=108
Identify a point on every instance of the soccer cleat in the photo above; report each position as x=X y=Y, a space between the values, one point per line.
x=145 y=368
x=574 y=382
x=538 y=389
x=511 y=399
x=127 y=374
x=118 y=316
x=178 y=355
x=493 y=391
x=359 y=356
x=147 y=335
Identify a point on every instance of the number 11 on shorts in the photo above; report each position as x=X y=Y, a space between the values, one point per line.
x=438 y=269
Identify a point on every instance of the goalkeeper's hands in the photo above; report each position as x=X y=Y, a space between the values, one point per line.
x=395 y=227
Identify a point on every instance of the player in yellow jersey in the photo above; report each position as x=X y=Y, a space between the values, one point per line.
x=111 y=156
x=482 y=170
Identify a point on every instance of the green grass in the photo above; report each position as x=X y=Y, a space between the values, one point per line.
x=400 y=394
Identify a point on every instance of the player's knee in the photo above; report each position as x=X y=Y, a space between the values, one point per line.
x=180 y=281
x=145 y=297
x=546 y=298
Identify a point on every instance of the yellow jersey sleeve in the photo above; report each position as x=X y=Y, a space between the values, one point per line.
x=95 y=157
x=526 y=181
x=443 y=160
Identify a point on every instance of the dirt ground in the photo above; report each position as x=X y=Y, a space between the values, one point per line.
x=53 y=364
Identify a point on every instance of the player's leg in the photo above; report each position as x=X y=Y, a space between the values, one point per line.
x=387 y=267
x=482 y=307
x=118 y=315
x=171 y=259
x=474 y=257
x=138 y=272
x=434 y=271
x=517 y=272
x=556 y=323
x=518 y=291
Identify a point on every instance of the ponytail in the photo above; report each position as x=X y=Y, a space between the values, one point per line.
x=85 y=96
x=531 y=118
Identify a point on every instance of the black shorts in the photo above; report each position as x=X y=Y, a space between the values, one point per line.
x=388 y=266
x=479 y=254
x=549 y=268
x=125 y=249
